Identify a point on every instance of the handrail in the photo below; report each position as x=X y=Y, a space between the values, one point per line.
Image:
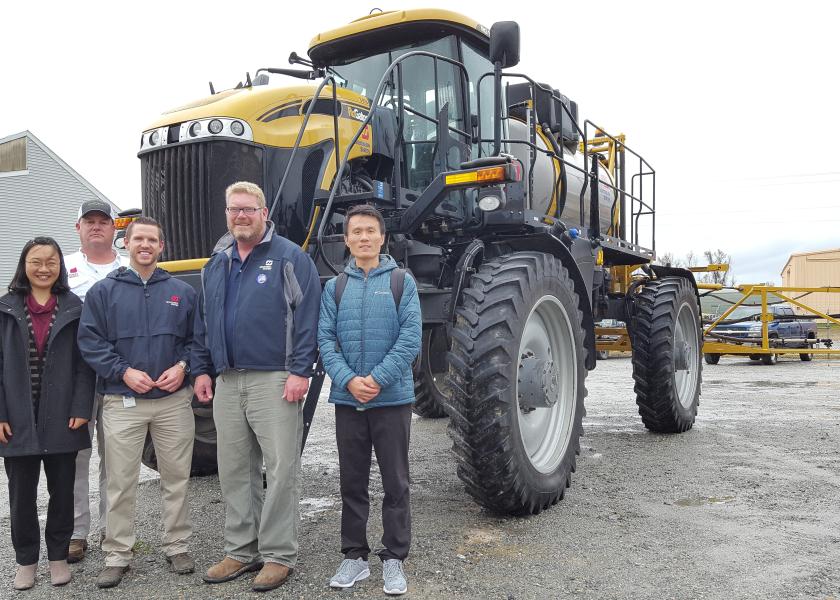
x=380 y=89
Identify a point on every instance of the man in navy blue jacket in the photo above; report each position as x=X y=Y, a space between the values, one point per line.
x=136 y=332
x=368 y=340
x=260 y=297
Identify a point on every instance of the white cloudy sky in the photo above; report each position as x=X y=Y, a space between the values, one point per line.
x=735 y=104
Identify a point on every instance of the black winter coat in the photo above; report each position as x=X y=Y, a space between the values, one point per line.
x=67 y=383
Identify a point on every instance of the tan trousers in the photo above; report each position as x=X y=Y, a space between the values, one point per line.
x=255 y=425
x=170 y=422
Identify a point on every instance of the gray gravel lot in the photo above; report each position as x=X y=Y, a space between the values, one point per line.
x=745 y=505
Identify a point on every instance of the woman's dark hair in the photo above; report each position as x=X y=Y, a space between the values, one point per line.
x=20 y=282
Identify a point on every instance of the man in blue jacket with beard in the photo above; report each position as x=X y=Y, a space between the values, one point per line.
x=260 y=297
x=369 y=333
x=136 y=332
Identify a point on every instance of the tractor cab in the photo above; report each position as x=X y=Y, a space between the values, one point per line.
x=440 y=79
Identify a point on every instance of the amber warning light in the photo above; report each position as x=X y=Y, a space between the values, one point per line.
x=122 y=222
x=498 y=174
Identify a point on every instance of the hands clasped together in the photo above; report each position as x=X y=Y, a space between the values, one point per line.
x=169 y=381
x=364 y=389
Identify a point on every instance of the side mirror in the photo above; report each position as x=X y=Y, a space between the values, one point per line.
x=504 y=43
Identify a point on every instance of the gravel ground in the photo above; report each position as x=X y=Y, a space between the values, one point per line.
x=745 y=505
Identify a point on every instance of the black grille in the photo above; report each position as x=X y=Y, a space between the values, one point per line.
x=184 y=186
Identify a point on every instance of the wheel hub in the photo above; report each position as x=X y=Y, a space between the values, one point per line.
x=682 y=351
x=539 y=382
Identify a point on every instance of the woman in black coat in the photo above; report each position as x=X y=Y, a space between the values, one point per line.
x=46 y=398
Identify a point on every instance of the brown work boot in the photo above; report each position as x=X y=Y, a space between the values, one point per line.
x=272 y=576
x=229 y=569
x=110 y=577
x=182 y=563
x=77 y=551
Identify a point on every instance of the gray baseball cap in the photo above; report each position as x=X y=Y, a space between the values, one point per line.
x=96 y=206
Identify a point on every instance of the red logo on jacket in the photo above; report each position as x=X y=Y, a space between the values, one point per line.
x=174 y=301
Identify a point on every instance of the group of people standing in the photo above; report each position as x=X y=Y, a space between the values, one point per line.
x=247 y=341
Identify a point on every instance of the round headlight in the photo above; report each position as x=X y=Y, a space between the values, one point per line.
x=215 y=126
x=154 y=138
x=489 y=203
x=195 y=129
x=237 y=128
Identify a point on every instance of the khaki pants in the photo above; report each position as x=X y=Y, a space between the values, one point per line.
x=172 y=426
x=255 y=424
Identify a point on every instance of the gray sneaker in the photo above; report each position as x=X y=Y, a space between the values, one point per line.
x=394 y=576
x=349 y=572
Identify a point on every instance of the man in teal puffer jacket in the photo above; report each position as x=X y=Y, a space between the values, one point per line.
x=368 y=343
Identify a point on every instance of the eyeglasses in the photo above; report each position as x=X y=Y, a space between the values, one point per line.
x=52 y=265
x=236 y=211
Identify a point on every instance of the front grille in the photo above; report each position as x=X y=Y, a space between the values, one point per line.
x=184 y=189
x=176 y=185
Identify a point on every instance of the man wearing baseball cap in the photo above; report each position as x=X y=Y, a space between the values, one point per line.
x=94 y=260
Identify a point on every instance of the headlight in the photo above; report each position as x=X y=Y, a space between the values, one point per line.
x=489 y=203
x=215 y=126
x=491 y=198
x=236 y=128
x=195 y=129
x=154 y=138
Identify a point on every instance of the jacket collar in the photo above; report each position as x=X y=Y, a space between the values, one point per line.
x=126 y=275
x=225 y=243
x=69 y=310
x=386 y=263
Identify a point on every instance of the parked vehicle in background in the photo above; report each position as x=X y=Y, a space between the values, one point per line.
x=786 y=329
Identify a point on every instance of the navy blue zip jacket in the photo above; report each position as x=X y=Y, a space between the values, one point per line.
x=127 y=324
x=368 y=335
x=276 y=323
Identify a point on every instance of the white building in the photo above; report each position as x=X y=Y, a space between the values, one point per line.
x=40 y=194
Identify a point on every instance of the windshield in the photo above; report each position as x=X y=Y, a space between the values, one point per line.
x=428 y=85
x=363 y=76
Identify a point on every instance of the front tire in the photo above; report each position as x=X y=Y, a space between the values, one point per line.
x=517 y=372
x=711 y=359
x=667 y=344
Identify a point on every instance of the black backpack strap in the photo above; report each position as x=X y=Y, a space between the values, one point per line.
x=397 y=285
x=340 y=284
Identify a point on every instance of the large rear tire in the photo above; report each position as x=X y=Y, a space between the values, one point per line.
x=431 y=391
x=517 y=373
x=667 y=345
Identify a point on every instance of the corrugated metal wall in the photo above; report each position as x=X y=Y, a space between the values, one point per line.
x=43 y=202
x=816 y=269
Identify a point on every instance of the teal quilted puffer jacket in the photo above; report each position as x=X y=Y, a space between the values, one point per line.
x=369 y=335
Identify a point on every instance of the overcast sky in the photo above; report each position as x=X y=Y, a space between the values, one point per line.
x=735 y=104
